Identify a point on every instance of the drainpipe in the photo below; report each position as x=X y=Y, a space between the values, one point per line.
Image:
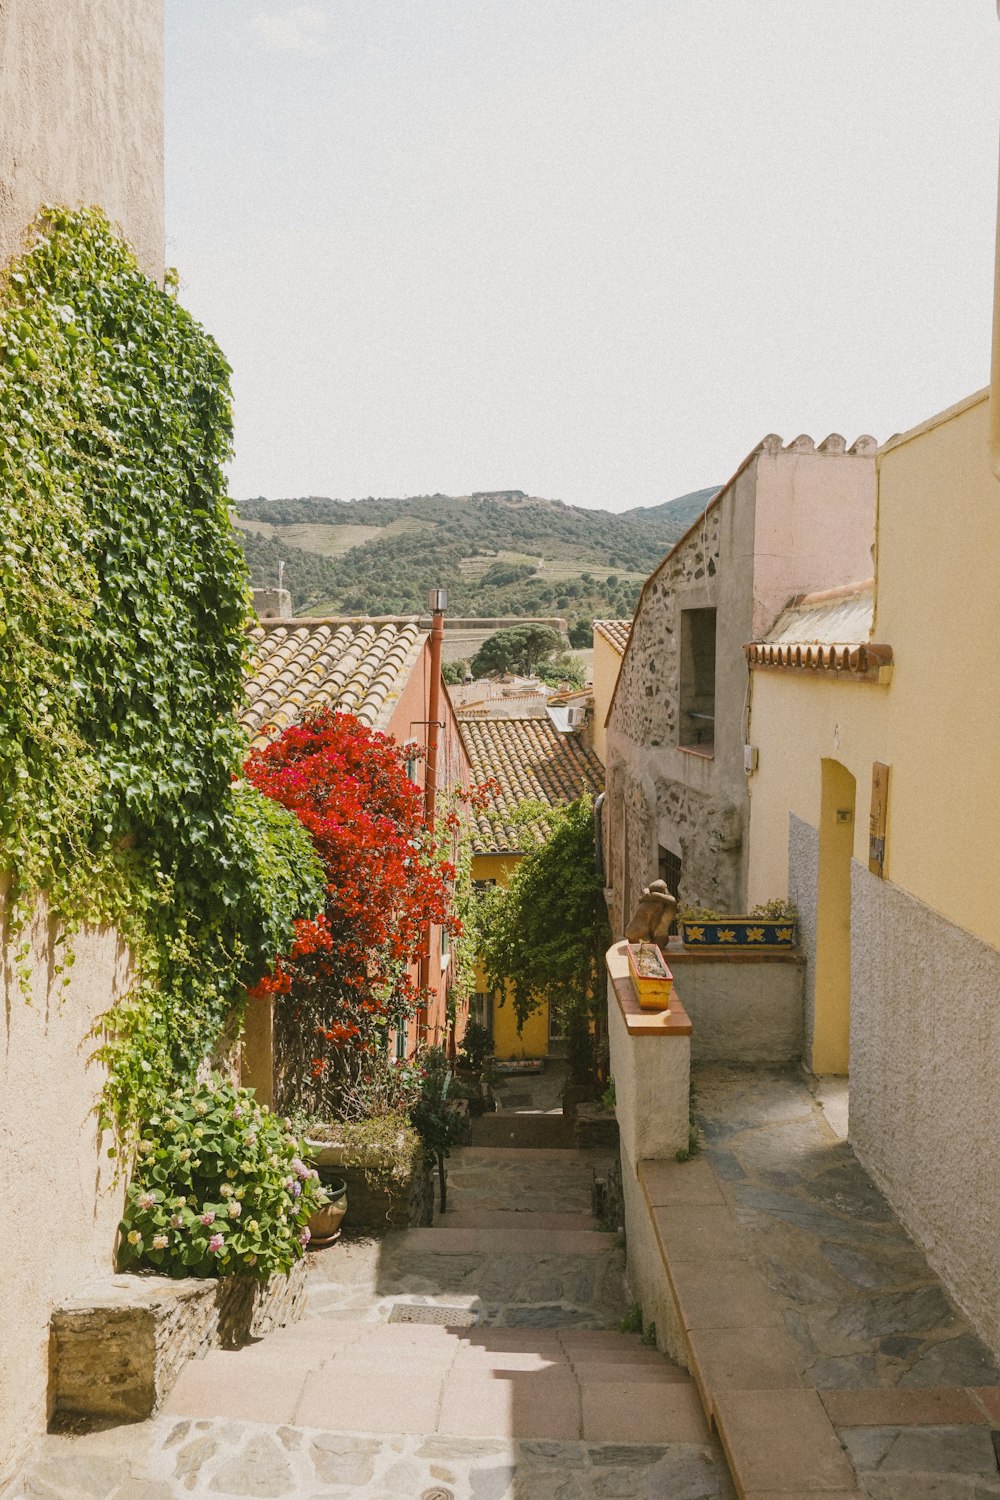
x=995 y=371
x=438 y=601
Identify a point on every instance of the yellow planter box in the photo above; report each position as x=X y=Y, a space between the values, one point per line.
x=651 y=990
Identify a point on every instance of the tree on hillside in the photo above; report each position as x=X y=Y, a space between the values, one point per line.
x=581 y=632
x=564 y=668
x=517 y=649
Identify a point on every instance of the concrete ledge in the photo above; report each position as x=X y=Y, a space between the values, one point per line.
x=650 y=1054
x=116 y=1349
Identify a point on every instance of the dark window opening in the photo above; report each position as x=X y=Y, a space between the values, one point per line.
x=670 y=870
x=697 y=685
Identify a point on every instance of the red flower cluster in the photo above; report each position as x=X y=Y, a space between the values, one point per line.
x=347 y=972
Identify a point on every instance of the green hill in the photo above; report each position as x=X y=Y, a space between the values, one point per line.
x=497 y=553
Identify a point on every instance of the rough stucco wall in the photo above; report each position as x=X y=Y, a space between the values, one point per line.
x=925 y=1039
x=82 y=116
x=59 y=1208
x=742 y=1013
x=803 y=890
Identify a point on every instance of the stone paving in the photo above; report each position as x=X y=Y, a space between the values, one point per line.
x=858 y=1295
x=543 y=1398
x=171 y=1460
x=912 y=1394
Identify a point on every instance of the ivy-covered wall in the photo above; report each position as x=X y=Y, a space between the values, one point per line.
x=123 y=607
x=143 y=883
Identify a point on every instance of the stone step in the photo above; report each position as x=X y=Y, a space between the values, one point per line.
x=494 y=1243
x=523 y=1131
x=505 y=1218
x=376 y=1378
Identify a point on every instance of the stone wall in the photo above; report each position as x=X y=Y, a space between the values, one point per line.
x=82 y=116
x=118 y=1346
x=925 y=1039
x=662 y=795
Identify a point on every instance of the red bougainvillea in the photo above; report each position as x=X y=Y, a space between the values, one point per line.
x=346 y=979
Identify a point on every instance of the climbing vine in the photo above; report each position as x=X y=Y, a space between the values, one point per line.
x=544 y=934
x=123 y=607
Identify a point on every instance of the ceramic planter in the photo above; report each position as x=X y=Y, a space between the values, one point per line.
x=738 y=932
x=324 y=1224
x=651 y=979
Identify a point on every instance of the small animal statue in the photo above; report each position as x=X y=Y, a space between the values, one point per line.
x=651 y=921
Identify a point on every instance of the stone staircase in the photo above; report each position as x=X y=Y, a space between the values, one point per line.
x=521 y=1388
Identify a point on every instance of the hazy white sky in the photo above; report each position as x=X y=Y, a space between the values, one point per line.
x=591 y=249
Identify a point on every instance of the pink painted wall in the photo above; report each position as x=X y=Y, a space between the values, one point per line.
x=408 y=723
x=814 y=525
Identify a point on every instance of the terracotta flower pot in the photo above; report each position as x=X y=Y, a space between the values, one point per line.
x=324 y=1224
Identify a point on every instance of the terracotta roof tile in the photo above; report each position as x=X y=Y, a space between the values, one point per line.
x=355 y=665
x=615 y=632
x=532 y=762
x=826 y=632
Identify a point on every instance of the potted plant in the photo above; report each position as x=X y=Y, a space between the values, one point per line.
x=651 y=979
x=324 y=1224
x=769 y=926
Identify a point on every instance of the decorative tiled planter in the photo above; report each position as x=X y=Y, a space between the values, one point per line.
x=738 y=932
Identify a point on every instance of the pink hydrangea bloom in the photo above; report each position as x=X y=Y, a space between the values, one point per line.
x=215 y=1244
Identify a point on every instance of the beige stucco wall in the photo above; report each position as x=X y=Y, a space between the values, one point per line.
x=937 y=723
x=81 y=118
x=607 y=665
x=925 y=941
x=59 y=1206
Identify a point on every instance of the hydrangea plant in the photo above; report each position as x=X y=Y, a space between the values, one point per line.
x=219 y=1189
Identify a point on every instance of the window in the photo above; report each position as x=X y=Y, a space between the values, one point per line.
x=401 y=1045
x=670 y=870
x=696 y=728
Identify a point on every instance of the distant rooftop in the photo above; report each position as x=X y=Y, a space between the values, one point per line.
x=615 y=632
x=532 y=762
x=356 y=665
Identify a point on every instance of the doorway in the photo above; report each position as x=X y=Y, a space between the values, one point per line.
x=831 y=1045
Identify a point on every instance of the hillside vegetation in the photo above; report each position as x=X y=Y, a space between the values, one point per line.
x=501 y=553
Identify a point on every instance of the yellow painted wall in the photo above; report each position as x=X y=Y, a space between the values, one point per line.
x=533 y=1041
x=937 y=724
x=607 y=665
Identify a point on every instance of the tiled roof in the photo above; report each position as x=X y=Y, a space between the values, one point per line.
x=356 y=665
x=826 y=632
x=615 y=632
x=532 y=762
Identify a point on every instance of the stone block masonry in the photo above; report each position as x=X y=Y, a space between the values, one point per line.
x=117 y=1348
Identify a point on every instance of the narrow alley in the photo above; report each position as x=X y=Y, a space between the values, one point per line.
x=480 y=1358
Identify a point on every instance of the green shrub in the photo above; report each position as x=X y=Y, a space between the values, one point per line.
x=220 y=1188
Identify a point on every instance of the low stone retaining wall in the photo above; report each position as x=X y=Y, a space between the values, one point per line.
x=116 y=1349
